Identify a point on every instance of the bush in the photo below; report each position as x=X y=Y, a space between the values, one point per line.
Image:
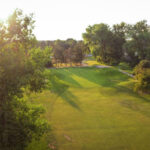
x=21 y=125
x=144 y=64
x=142 y=74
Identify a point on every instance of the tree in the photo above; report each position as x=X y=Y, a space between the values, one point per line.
x=59 y=50
x=142 y=75
x=44 y=44
x=71 y=43
x=20 y=30
x=137 y=46
x=69 y=51
x=102 y=43
x=119 y=39
x=20 y=69
x=78 y=52
x=2 y=35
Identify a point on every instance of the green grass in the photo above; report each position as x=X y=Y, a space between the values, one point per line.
x=94 y=109
x=125 y=67
x=92 y=62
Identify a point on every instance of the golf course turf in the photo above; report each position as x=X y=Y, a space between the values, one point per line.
x=93 y=109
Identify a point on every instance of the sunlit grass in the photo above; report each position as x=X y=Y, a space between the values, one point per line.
x=93 y=63
x=94 y=109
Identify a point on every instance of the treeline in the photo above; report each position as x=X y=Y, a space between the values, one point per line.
x=128 y=43
x=45 y=43
x=66 y=52
x=121 y=42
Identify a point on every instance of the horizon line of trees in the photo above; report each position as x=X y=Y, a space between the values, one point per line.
x=120 y=43
x=66 y=52
x=127 y=43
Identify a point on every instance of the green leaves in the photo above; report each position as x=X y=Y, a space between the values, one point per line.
x=21 y=68
x=122 y=42
x=142 y=74
x=103 y=43
x=69 y=51
x=22 y=124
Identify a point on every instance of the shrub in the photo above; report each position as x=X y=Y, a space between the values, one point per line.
x=142 y=74
x=21 y=125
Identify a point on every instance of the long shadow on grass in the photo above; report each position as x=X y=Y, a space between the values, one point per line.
x=60 y=88
x=106 y=77
x=65 y=75
x=132 y=104
x=131 y=92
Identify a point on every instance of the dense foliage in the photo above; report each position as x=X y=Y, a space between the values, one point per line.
x=122 y=42
x=142 y=74
x=137 y=46
x=65 y=51
x=69 y=51
x=105 y=44
x=21 y=68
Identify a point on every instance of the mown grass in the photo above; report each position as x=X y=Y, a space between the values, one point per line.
x=92 y=62
x=93 y=109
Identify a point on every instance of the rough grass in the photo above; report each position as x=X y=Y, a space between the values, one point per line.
x=93 y=109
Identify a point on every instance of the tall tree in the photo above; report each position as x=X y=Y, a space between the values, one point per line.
x=20 y=30
x=20 y=69
x=100 y=40
x=119 y=39
x=78 y=52
x=59 y=50
x=138 y=44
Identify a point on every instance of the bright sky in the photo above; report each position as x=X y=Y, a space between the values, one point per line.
x=62 y=19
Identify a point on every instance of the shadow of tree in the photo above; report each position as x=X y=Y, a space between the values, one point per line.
x=132 y=92
x=60 y=88
x=70 y=99
x=133 y=104
x=65 y=75
x=106 y=77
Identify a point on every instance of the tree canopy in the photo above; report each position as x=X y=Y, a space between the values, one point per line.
x=103 y=43
x=122 y=42
x=21 y=68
